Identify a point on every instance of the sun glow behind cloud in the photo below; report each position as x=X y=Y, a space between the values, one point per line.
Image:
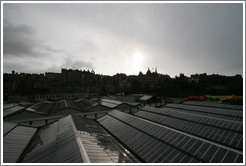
x=137 y=61
x=132 y=39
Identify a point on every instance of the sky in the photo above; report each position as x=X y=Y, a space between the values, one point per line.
x=125 y=38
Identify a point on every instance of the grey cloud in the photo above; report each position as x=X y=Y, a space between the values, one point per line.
x=21 y=67
x=176 y=38
x=81 y=64
x=77 y=64
x=71 y=64
x=7 y=67
x=86 y=45
x=11 y=10
x=54 y=68
x=21 y=40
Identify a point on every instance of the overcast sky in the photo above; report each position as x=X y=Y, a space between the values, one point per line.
x=123 y=38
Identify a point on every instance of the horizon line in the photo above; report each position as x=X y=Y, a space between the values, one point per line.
x=144 y=73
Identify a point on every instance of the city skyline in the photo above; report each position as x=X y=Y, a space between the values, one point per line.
x=125 y=38
x=152 y=70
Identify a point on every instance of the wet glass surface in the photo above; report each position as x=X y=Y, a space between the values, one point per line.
x=140 y=131
x=15 y=142
x=99 y=145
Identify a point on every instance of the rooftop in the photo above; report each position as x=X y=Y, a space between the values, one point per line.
x=176 y=133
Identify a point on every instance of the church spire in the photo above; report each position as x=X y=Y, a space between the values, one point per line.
x=148 y=72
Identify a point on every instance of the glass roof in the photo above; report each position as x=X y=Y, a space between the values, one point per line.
x=208 y=111
x=54 y=143
x=112 y=101
x=62 y=141
x=207 y=131
x=152 y=141
x=11 y=110
x=15 y=142
x=110 y=105
x=99 y=145
x=8 y=126
x=5 y=106
x=215 y=105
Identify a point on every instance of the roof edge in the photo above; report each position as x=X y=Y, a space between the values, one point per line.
x=82 y=150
